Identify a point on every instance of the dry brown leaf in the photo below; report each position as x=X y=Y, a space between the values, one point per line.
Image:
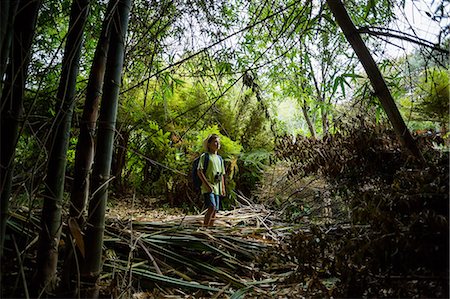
x=76 y=234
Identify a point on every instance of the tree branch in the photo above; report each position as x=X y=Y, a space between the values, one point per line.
x=402 y=36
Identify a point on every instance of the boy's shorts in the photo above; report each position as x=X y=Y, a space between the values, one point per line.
x=212 y=200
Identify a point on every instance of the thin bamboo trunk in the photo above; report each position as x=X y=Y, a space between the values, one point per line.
x=8 y=10
x=51 y=223
x=105 y=141
x=320 y=98
x=85 y=152
x=374 y=74
x=12 y=100
x=304 y=105
x=4 y=19
x=85 y=146
x=308 y=119
x=324 y=116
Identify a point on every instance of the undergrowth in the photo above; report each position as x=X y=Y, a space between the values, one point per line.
x=394 y=242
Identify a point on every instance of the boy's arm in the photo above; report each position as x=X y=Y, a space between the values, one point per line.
x=223 y=179
x=223 y=186
x=202 y=177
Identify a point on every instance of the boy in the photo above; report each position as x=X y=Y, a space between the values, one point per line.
x=213 y=182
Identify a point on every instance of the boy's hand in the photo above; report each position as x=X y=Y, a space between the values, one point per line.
x=210 y=187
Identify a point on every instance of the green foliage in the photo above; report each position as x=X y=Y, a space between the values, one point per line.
x=150 y=150
x=29 y=157
x=433 y=93
x=228 y=148
x=427 y=103
x=251 y=167
x=291 y=50
x=257 y=159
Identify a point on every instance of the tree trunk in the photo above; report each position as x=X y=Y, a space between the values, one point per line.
x=85 y=145
x=4 y=21
x=321 y=99
x=12 y=99
x=47 y=255
x=374 y=74
x=85 y=150
x=8 y=11
x=324 y=116
x=302 y=85
x=105 y=140
x=308 y=119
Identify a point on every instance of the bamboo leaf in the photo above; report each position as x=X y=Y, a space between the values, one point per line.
x=352 y=75
x=164 y=279
x=240 y=293
x=196 y=264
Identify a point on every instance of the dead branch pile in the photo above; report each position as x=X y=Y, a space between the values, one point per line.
x=179 y=257
x=396 y=244
x=354 y=153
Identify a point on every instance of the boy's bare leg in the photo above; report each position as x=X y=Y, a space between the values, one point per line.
x=213 y=217
x=209 y=216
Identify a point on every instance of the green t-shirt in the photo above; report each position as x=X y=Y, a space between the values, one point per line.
x=215 y=167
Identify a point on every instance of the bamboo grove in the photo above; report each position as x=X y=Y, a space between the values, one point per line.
x=85 y=103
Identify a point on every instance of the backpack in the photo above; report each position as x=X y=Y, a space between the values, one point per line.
x=195 y=178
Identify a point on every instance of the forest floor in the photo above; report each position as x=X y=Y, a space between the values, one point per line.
x=175 y=257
